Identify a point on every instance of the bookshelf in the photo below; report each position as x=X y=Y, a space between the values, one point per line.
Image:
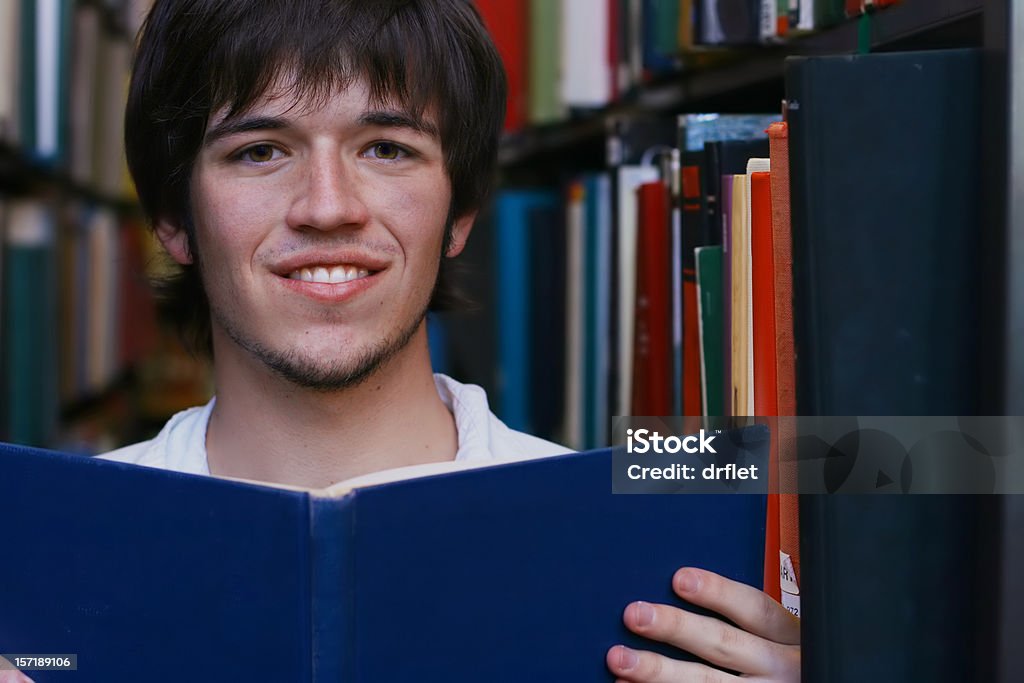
x=913 y=24
x=751 y=79
x=77 y=380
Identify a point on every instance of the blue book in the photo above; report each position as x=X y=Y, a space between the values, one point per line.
x=514 y=259
x=513 y=572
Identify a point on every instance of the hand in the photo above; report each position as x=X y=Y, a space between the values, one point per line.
x=8 y=674
x=765 y=646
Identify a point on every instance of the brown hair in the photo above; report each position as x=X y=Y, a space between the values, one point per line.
x=197 y=57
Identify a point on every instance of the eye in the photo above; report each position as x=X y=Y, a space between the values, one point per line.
x=387 y=151
x=259 y=154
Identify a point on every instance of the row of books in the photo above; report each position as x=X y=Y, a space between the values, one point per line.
x=63 y=79
x=75 y=309
x=832 y=268
x=565 y=55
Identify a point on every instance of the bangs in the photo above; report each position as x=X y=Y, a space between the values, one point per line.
x=313 y=50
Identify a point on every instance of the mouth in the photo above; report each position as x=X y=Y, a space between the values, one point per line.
x=330 y=274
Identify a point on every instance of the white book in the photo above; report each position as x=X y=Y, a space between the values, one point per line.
x=586 y=70
x=769 y=21
x=48 y=51
x=629 y=179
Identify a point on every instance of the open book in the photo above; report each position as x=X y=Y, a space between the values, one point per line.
x=514 y=571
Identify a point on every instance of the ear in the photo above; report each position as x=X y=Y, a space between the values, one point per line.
x=175 y=241
x=460 y=233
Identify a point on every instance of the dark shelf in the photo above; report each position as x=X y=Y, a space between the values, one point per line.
x=20 y=175
x=912 y=24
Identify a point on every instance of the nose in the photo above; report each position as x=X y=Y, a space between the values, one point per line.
x=328 y=196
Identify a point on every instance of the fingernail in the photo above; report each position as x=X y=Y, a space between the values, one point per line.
x=644 y=613
x=688 y=581
x=627 y=659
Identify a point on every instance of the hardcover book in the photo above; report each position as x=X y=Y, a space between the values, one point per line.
x=510 y=572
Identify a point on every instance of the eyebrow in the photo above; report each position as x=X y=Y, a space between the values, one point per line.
x=390 y=118
x=229 y=127
x=383 y=118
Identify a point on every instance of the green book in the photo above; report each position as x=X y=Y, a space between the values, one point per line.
x=709 y=314
x=545 y=101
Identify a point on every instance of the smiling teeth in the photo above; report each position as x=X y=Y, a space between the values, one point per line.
x=332 y=275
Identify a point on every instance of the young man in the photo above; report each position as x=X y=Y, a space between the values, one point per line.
x=310 y=165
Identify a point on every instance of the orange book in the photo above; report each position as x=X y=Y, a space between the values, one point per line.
x=785 y=356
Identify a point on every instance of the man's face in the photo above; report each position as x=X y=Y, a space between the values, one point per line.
x=319 y=234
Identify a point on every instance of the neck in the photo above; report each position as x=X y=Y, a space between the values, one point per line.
x=266 y=428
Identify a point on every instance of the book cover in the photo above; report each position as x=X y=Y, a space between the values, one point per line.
x=545 y=101
x=628 y=179
x=31 y=323
x=886 y=297
x=598 y=350
x=739 y=276
x=546 y=278
x=586 y=66
x=785 y=361
x=508 y=23
x=515 y=306
x=762 y=293
x=711 y=306
x=652 y=384
x=730 y=22
x=725 y=211
x=10 y=58
x=448 y=576
x=575 y=309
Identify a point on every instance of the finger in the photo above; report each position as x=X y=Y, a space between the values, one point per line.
x=750 y=609
x=639 y=666
x=709 y=638
x=13 y=676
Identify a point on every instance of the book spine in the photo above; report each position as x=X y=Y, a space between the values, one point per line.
x=332 y=590
x=30 y=310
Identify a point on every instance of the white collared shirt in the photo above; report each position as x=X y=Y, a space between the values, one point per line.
x=181 y=444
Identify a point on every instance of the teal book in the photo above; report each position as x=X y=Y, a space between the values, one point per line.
x=517 y=234
x=30 y=325
x=44 y=87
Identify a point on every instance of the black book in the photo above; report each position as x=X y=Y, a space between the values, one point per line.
x=884 y=158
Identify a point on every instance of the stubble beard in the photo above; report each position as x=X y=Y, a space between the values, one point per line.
x=315 y=374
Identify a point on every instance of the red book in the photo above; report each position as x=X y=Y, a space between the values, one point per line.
x=507 y=22
x=652 y=355
x=763 y=304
